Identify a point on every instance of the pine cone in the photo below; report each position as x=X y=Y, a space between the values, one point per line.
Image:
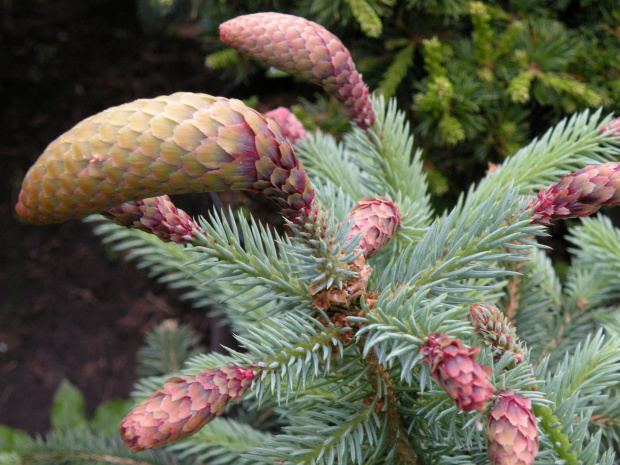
x=288 y=122
x=183 y=406
x=613 y=127
x=496 y=331
x=302 y=48
x=512 y=438
x=172 y=144
x=377 y=219
x=579 y=194
x=455 y=369
x=155 y=215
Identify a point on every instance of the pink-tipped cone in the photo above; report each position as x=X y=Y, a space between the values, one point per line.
x=305 y=49
x=182 y=407
x=455 y=369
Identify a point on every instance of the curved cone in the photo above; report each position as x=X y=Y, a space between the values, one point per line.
x=172 y=144
x=305 y=49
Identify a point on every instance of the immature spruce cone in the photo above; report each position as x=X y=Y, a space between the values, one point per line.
x=302 y=48
x=496 y=331
x=579 y=194
x=172 y=144
x=377 y=219
x=512 y=438
x=182 y=406
x=455 y=369
x=155 y=215
x=613 y=127
x=289 y=124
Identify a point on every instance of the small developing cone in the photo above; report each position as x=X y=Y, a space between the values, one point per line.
x=289 y=124
x=512 y=438
x=305 y=49
x=173 y=144
x=579 y=194
x=183 y=406
x=613 y=128
x=496 y=331
x=377 y=219
x=455 y=369
x=155 y=215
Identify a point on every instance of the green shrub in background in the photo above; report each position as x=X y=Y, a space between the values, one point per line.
x=477 y=79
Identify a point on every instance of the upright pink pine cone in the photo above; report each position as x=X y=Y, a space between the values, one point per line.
x=183 y=406
x=455 y=369
x=512 y=438
x=579 y=194
x=377 y=219
x=302 y=48
x=155 y=215
x=613 y=128
x=288 y=122
x=172 y=144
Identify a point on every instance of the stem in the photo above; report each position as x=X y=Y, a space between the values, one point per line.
x=395 y=422
x=551 y=425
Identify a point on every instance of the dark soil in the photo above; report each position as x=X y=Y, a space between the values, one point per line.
x=66 y=309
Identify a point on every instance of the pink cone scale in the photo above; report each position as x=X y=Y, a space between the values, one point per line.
x=183 y=406
x=305 y=49
x=288 y=122
x=377 y=219
x=512 y=438
x=173 y=144
x=454 y=367
x=155 y=215
x=579 y=194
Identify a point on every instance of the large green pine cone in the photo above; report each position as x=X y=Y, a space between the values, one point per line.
x=174 y=144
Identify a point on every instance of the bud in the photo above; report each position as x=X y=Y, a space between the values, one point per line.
x=455 y=369
x=183 y=406
x=173 y=144
x=512 y=438
x=377 y=219
x=579 y=194
x=496 y=331
x=305 y=49
x=613 y=128
x=289 y=124
x=155 y=215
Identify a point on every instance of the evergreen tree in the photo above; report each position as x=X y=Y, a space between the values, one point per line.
x=375 y=331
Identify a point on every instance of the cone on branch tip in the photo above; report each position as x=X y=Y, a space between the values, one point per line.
x=454 y=367
x=289 y=124
x=512 y=438
x=155 y=215
x=578 y=194
x=496 y=331
x=612 y=128
x=173 y=144
x=183 y=406
x=377 y=219
x=304 y=49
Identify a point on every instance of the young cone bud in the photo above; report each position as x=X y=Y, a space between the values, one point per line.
x=512 y=438
x=302 y=48
x=155 y=215
x=455 y=369
x=579 y=194
x=172 y=144
x=496 y=331
x=613 y=128
x=182 y=406
x=288 y=122
x=377 y=219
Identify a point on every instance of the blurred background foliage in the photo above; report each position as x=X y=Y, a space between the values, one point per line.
x=479 y=79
